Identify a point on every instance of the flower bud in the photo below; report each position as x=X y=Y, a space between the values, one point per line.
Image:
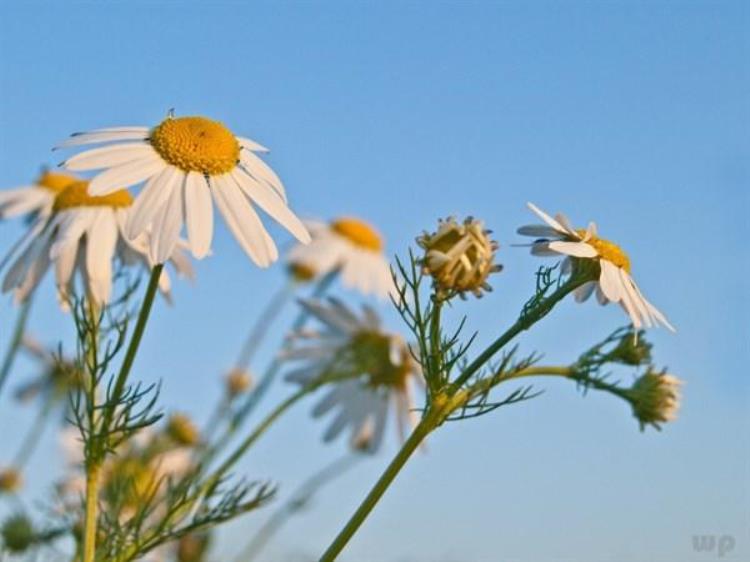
x=632 y=349
x=238 y=382
x=10 y=480
x=655 y=398
x=193 y=547
x=18 y=534
x=459 y=257
x=182 y=430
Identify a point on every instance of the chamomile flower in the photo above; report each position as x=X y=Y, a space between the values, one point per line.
x=186 y=163
x=615 y=284
x=34 y=199
x=83 y=234
x=349 y=245
x=376 y=369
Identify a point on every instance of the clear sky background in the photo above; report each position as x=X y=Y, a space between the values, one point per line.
x=631 y=114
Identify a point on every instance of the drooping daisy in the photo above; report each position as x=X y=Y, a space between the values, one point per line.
x=558 y=237
x=186 y=163
x=655 y=397
x=376 y=367
x=83 y=234
x=349 y=245
x=35 y=199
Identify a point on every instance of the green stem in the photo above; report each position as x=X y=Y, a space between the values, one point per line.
x=425 y=426
x=260 y=328
x=296 y=501
x=15 y=342
x=92 y=498
x=135 y=341
x=568 y=373
x=32 y=437
x=524 y=322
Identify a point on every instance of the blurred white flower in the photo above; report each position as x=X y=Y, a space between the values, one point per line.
x=376 y=367
x=35 y=199
x=186 y=162
x=557 y=237
x=83 y=234
x=349 y=245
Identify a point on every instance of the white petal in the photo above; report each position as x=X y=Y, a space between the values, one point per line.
x=262 y=172
x=199 y=214
x=583 y=292
x=250 y=144
x=166 y=230
x=112 y=134
x=538 y=230
x=126 y=175
x=575 y=249
x=100 y=248
x=270 y=201
x=609 y=281
x=150 y=201
x=108 y=156
x=546 y=218
x=243 y=221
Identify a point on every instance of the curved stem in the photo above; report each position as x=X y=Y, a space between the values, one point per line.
x=425 y=426
x=260 y=328
x=15 y=342
x=296 y=501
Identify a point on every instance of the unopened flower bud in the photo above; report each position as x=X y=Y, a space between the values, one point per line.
x=10 y=481
x=301 y=272
x=18 y=534
x=632 y=349
x=238 y=381
x=192 y=548
x=655 y=398
x=459 y=257
x=181 y=428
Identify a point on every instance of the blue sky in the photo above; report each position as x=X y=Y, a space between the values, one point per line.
x=631 y=114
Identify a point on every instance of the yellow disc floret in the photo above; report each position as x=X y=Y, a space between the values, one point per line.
x=608 y=250
x=55 y=181
x=196 y=144
x=358 y=233
x=76 y=195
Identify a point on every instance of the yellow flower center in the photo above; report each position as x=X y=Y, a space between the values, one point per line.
x=55 y=182
x=608 y=250
x=371 y=353
x=196 y=144
x=76 y=195
x=301 y=272
x=358 y=233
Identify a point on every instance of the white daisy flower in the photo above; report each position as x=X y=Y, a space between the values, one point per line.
x=186 y=163
x=376 y=366
x=349 y=245
x=83 y=234
x=655 y=398
x=558 y=237
x=35 y=199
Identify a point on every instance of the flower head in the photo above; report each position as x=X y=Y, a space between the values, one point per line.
x=182 y=430
x=84 y=235
x=557 y=237
x=372 y=368
x=186 y=163
x=459 y=256
x=349 y=245
x=237 y=382
x=36 y=199
x=655 y=398
x=10 y=480
x=18 y=533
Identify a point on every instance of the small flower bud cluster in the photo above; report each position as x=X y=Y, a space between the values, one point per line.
x=10 y=481
x=459 y=257
x=238 y=382
x=182 y=430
